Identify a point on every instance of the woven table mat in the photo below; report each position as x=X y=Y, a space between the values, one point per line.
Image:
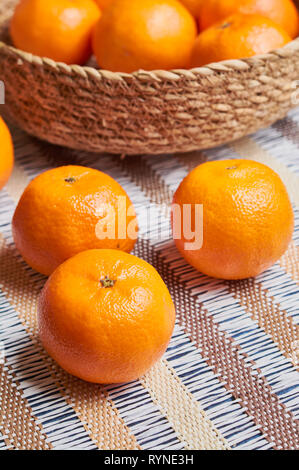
x=229 y=379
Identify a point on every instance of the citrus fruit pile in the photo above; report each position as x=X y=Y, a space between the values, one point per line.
x=105 y=315
x=129 y=35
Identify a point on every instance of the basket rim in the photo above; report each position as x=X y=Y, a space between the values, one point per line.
x=156 y=75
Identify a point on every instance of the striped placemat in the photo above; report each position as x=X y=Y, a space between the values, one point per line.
x=229 y=379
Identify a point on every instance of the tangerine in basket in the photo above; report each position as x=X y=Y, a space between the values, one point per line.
x=238 y=36
x=57 y=29
x=68 y=210
x=105 y=316
x=247 y=220
x=147 y=34
x=6 y=154
x=282 y=12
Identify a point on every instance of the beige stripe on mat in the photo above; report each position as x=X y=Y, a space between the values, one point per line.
x=16 y=418
x=5 y=443
x=248 y=148
x=245 y=381
x=290 y=262
x=175 y=402
x=262 y=307
x=94 y=408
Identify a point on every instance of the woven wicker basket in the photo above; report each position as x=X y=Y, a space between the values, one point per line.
x=145 y=112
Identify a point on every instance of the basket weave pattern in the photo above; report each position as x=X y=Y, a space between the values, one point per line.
x=145 y=112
